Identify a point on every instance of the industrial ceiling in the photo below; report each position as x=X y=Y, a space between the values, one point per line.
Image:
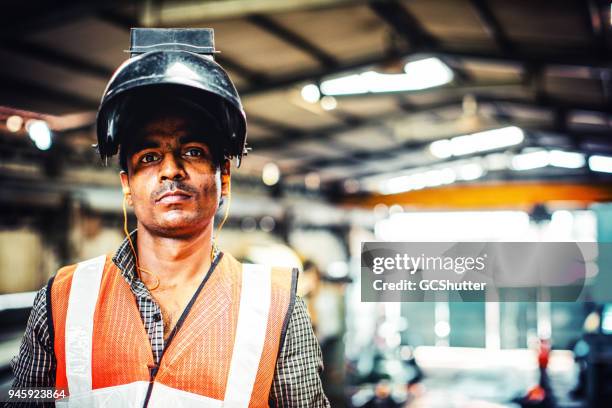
x=543 y=66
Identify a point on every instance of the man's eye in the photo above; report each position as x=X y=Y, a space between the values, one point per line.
x=148 y=158
x=194 y=152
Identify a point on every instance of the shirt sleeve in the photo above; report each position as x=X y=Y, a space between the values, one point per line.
x=35 y=364
x=296 y=381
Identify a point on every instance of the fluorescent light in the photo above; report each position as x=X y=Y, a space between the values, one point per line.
x=39 y=133
x=446 y=176
x=532 y=160
x=487 y=140
x=311 y=93
x=423 y=177
x=346 y=85
x=477 y=142
x=441 y=149
x=470 y=171
x=418 y=181
x=422 y=74
x=496 y=161
x=601 y=163
x=430 y=72
x=568 y=160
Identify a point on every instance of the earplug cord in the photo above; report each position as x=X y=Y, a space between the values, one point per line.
x=212 y=250
x=127 y=234
x=229 y=201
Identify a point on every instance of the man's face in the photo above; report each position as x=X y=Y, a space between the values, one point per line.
x=174 y=184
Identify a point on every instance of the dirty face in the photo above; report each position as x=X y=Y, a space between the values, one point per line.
x=173 y=181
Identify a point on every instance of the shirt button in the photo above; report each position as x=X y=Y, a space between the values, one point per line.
x=157 y=317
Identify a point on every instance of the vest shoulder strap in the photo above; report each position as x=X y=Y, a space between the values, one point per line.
x=82 y=302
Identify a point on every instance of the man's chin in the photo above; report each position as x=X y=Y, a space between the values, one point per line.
x=173 y=224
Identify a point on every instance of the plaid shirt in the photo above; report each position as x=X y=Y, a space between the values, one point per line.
x=296 y=379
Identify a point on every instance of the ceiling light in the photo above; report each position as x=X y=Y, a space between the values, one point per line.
x=346 y=85
x=487 y=140
x=40 y=134
x=14 y=123
x=601 y=163
x=311 y=93
x=428 y=72
x=422 y=74
x=531 y=160
x=312 y=181
x=270 y=174
x=418 y=181
x=568 y=160
x=441 y=149
x=328 y=103
x=351 y=186
x=477 y=142
x=471 y=171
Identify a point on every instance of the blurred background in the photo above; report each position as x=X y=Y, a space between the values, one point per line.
x=414 y=120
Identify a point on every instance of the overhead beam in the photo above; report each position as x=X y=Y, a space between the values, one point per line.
x=271 y=26
x=581 y=58
x=404 y=24
x=284 y=81
x=492 y=26
x=249 y=74
x=271 y=124
x=593 y=24
x=188 y=12
x=20 y=87
x=118 y=19
x=57 y=58
x=357 y=158
x=410 y=29
x=542 y=103
x=44 y=16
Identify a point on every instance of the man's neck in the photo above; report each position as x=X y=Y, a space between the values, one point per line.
x=174 y=261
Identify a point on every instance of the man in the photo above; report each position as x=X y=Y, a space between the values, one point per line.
x=169 y=319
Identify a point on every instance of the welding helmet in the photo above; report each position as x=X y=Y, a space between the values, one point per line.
x=167 y=65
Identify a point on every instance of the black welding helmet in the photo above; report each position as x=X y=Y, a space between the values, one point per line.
x=167 y=65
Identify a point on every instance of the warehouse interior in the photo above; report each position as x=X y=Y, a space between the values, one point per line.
x=411 y=120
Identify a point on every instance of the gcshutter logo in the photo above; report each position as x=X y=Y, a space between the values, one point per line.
x=475 y=271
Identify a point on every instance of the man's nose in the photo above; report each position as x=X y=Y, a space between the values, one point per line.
x=172 y=168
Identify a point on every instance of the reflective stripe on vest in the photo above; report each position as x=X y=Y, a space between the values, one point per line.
x=250 y=334
x=79 y=323
x=253 y=328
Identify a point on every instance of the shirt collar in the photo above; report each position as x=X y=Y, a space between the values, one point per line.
x=126 y=262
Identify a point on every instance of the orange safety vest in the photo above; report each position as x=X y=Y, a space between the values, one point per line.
x=223 y=355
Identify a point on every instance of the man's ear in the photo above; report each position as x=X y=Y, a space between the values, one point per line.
x=225 y=178
x=125 y=187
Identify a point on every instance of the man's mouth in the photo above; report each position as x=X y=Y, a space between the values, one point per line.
x=172 y=197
